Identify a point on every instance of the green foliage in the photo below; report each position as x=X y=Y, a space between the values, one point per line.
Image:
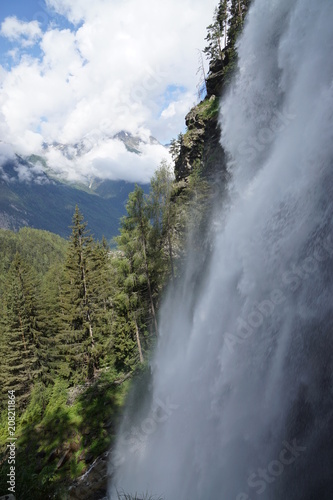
x=62 y=422
x=76 y=321
x=175 y=147
x=33 y=283
x=208 y=109
x=217 y=33
x=39 y=400
x=222 y=35
x=20 y=346
x=40 y=249
x=238 y=11
x=84 y=303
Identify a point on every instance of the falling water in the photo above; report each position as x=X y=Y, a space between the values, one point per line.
x=242 y=394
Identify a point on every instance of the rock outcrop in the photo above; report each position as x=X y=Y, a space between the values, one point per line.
x=93 y=484
x=200 y=146
x=215 y=79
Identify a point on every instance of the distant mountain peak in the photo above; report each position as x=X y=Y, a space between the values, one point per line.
x=134 y=142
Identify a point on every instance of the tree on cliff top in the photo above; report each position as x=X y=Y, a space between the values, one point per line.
x=217 y=33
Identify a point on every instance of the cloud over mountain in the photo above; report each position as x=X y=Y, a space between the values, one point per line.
x=121 y=65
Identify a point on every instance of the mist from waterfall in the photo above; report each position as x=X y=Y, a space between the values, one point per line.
x=242 y=394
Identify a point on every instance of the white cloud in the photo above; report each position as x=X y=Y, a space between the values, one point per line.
x=169 y=119
x=170 y=111
x=111 y=73
x=15 y=30
x=108 y=159
x=6 y=152
x=77 y=10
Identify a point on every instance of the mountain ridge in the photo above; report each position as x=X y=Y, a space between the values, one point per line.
x=31 y=197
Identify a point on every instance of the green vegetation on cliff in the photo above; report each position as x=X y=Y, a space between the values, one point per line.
x=198 y=149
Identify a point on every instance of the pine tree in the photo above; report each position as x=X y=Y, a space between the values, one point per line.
x=49 y=300
x=130 y=307
x=137 y=225
x=100 y=286
x=238 y=10
x=216 y=33
x=162 y=215
x=175 y=147
x=21 y=336
x=222 y=18
x=76 y=341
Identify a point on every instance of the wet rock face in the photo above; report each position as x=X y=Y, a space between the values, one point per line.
x=201 y=144
x=93 y=484
x=214 y=82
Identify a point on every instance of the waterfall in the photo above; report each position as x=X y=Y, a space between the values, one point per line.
x=242 y=393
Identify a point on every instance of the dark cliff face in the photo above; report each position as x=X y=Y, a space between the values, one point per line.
x=201 y=173
x=217 y=75
x=200 y=146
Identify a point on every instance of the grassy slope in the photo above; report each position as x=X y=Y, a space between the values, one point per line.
x=58 y=438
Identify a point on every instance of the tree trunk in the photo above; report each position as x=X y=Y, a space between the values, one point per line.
x=91 y=362
x=85 y=298
x=25 y=345
x=137 y=333
x=240 y=10
x=149 y=286
x=220 y=48
x=170 y=249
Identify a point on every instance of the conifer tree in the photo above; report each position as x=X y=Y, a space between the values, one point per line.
x=238 y=10
x=137 y=225
x=100 y=287
x=49 y=314
x=76 y=341
x=216 y=33
x=20 y=346
x=130 y=307
x=175 y=147
x=162 y=215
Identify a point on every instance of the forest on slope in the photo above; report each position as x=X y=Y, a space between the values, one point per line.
x=79 y=319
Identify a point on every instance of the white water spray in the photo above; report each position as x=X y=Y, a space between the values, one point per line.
x=242 y=383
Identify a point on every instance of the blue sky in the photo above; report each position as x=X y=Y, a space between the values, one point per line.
x=31 y=10
x=22 y=8
x=27 y=10
x=82 y=70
